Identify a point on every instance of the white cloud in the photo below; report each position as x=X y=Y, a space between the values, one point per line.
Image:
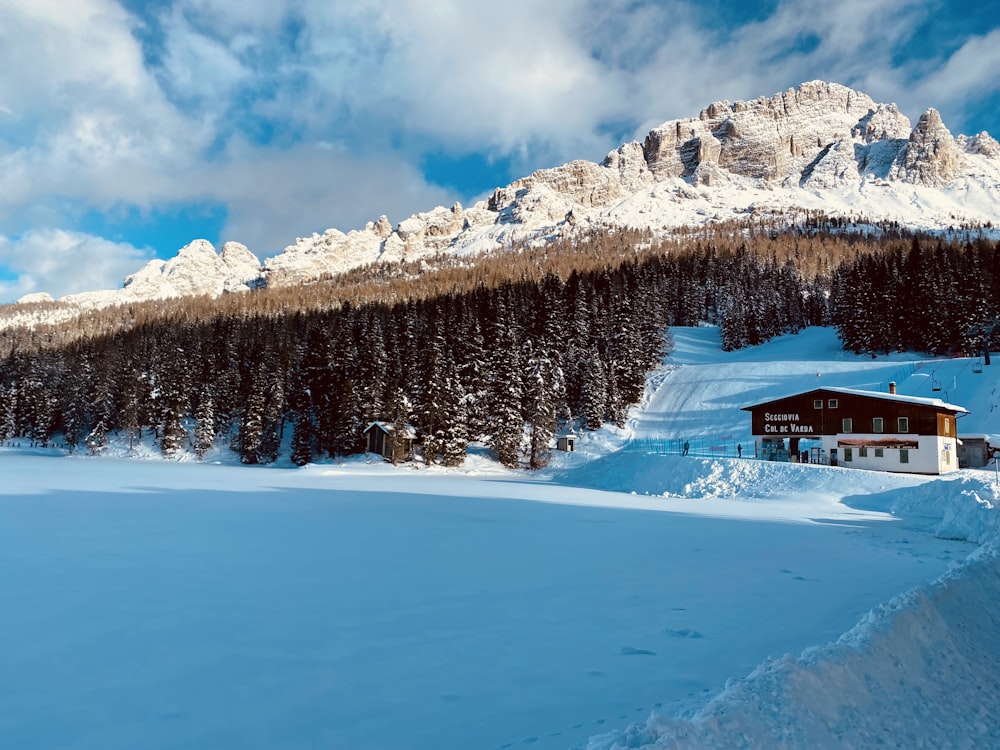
x=518 y=79
x=90 y=122
x=275 y=196
x=199 y=66
x=61 y=263
x=969 y=75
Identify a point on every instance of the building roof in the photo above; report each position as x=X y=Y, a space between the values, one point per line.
x=410 y=431
x=934 y=403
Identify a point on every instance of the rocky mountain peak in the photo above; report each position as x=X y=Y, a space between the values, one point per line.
x=765 y=138
x=196 y=269
x=982 y=144
x=931 y=157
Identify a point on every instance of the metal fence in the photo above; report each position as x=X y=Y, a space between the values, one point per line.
x=725 y=446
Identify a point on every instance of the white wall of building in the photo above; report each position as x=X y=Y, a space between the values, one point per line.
x=934 y=454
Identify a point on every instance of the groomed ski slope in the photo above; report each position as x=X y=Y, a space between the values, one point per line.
x=620 y=599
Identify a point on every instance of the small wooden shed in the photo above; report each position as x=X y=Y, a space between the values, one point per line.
x=973 y=451
x=566 y=442
x=380 y=438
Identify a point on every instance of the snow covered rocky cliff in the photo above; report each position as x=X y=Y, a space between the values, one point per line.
x=820 y=146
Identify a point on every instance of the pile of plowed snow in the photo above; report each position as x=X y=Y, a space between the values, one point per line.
x=922 y=670
x=692 y=477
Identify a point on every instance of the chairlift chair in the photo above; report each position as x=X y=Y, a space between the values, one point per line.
x=935 y=385
x=977 y=366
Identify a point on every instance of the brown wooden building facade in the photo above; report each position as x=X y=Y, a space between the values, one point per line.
x=860 y=429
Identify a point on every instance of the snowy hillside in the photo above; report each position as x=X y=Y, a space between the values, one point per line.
x=621 y=599
x=820 y=148
x=699 y=393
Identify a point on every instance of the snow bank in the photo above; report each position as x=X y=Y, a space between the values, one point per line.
x=922 y=670
x=746 y=479
x=964 y=507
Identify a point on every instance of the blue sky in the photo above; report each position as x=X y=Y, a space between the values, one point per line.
x=135 y=126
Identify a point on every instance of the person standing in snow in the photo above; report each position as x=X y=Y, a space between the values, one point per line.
x=739 y=450
x=686 y=446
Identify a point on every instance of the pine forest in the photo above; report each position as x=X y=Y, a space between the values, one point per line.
x=505 y=349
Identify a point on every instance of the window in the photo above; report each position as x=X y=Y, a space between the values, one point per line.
x=879 y=453
x=848 y=454
x=904 y=456
x=903 y=424
x=863 y=452
x=947 y=426
x=817 y=403
x=847 y=424
x=832 y=403
x=877 y=424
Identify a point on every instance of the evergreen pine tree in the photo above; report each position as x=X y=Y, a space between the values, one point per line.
x=594 y=395
x=441 y=408
x=8 y=409
x=97 y=438
x=251 y=431
x=505 y=392
x=204 y=428
x=541 y=380
x=399 y=416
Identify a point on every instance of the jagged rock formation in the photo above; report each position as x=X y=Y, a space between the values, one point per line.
x=767 y=139
x=931 y=156
x=820 y=146
x=981 y=144
x=196 y=270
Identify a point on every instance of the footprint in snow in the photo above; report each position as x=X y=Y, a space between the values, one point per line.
x=683 y=633
x=629 y=651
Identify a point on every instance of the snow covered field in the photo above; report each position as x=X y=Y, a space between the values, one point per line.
x=618 y=597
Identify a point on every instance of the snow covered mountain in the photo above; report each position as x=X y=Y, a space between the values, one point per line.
x=818 y=147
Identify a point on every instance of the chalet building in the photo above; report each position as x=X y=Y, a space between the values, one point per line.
x=379 y=439
x=859 y=429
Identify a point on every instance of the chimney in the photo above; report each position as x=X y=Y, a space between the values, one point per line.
x=892 y=387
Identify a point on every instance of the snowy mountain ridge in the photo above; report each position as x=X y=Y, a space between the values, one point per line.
x=817 y=147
